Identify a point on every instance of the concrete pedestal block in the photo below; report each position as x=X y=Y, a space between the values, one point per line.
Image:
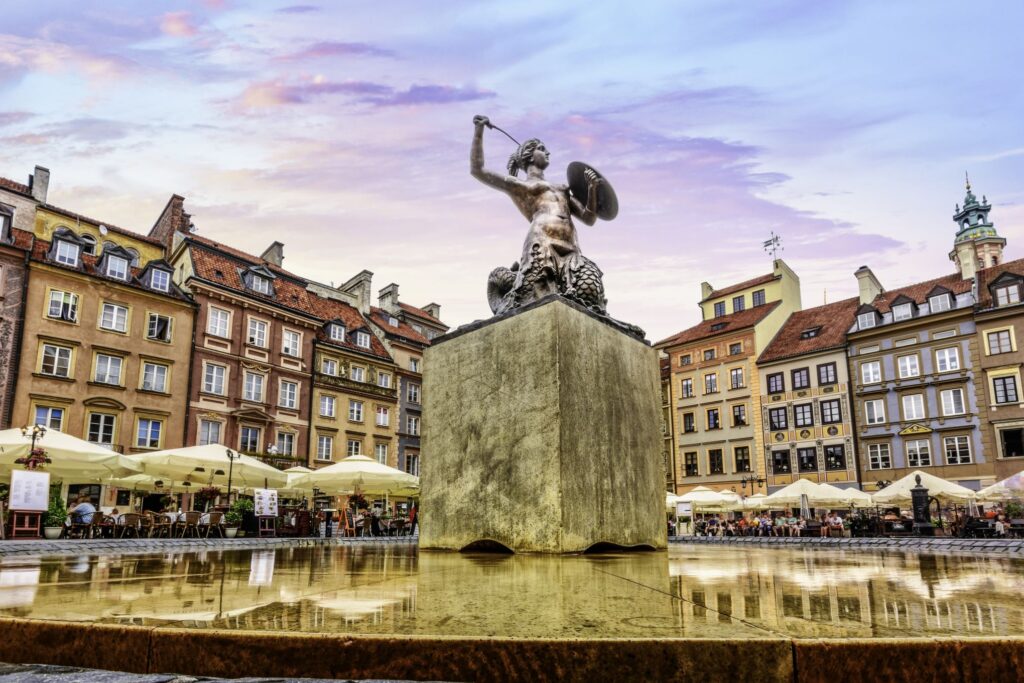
x=541 y=431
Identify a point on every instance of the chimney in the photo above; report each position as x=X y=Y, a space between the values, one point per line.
x=39 y=183
x=705 y=290
x=433 y=310
x=173 y=220
x=387 y=299
x=274 y=254
x=868 y=284
x=359 y=286
x=966 y=259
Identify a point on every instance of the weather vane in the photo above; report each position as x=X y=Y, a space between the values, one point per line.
x=773 y=246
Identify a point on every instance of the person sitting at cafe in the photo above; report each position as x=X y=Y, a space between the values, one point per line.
x=825 y=519
x=83 y=512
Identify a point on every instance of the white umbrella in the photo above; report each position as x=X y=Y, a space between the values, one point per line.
x=1011 y=487
x=72 y=459
x=850 y=496
x=199 y=463
x=790 y=496
x=358 y=473
x=946 y=491
x=758 y=501
x=670 y=500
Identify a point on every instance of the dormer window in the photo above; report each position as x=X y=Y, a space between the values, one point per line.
x=88 y=244
x=67 y=253
x=363 y=340
x=1006 y=295
x=810 y=333
x=160 y=279
x=260 y=284
x=6 y=220
x=336 y=332
x=393 y=321
x=903 y=312
x=937 y=304
x=117 y=267
x=866 y=320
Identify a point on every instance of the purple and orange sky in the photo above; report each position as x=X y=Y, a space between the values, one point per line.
x=342 y=129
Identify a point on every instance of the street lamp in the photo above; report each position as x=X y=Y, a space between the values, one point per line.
x=232 y=456
x=753 y=480
x=36 y=457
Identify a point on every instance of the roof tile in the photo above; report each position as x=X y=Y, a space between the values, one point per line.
x=753 y=282
x=14 y=186
x=832 y=321
x=733 y=322
x=987 y=276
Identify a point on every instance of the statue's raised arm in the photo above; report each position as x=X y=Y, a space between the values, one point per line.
x=498 y=181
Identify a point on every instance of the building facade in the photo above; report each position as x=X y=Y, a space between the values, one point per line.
x=667 y=421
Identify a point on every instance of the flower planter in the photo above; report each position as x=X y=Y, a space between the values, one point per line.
x=52 y=533
x=231 y=532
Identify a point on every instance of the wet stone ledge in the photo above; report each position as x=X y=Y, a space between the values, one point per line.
x=43 y=673
x=1012 y=547
x=134 y=546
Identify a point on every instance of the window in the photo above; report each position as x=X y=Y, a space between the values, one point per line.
x=355 y=447
x=63 y=306
x=742 y=454
x=735 y=349
x=902 y=312
x=780 y=462
x=67 y=253
x=736 y=378
x=257 y=333
x=919 y=453
x=803 y=415
x=871 y=372
x=952 y=401
x=288 y=397
x=252 y=389
x=827 y=374
x=710 y=383
x=807 y=459
x=685 y=359
x=114 y=318
x=874 y=412
x=687 y=388
x=1005 y=389
x=739 y=416
x=737 y=304
x=908 y=366
x=209 y=432
x=689 y=424
x=716 y=464
x=260 y=284
x=777 y=419
x=414 y=425
x=384 y=380
x=329 y=367
x=49 y=417
x=363 y=340
x=719 y=309
x=1004 y=295
x=108 y=369
x=213 y=379
x=957 y=450
x=866 y=320
x=89 y=244
x=801 y=378
x=690 y=464
x=414 y=393
x=148 y=433
x=947 y=359
x=56 y=360
x=709 y=354
x=938 y=303
x=776 y=383
x=831 y=412
x=290 y=343
x=414 y=364
x=154 y=377
x=358 y=374
x=324 y=447
x=285 y=443
x=999 y=342
x=117 y=267
x=383 y=416
x=713 y=419
x=412 y=464
x=835 y=457
x=380 y=451
x=336 y=332
x=879 y=457
x=810 y=333
x=218 y=321
x=249 y=440
x=913 y=407
x=355 y=411
x=158 y=327
x=758 y=297
x=160 y=280
x=101 y=429
x=328 y=406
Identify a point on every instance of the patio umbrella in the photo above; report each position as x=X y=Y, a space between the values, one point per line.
x=755 y=502
x=148 y=483
x=358 y=473
x=790 y=496
x=945 y=491
x=850 y=496
x=72 y=459
x=670 y=501
x=1011 y=487
x=198 y=463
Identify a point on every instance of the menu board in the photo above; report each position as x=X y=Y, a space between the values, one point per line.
x=261 y=568
x=684 y=509
x=265 y=502
x=30 y=490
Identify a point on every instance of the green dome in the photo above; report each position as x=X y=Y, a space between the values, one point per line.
x=976 y=233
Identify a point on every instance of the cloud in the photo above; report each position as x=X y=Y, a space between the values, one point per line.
x=9 y=118
x=267 y=94
x=178 y=24
x=432 y=94
x=298 y=9
x=336 y=49
x=19 y=56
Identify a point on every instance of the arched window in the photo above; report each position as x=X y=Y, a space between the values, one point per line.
x=88 y=244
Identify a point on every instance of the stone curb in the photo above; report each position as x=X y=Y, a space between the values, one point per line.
x=135 y=546
x=955 y=545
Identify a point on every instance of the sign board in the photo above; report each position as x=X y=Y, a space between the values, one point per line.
x=265 y=502
x=30 y=490
x=261 y=568
x=684 y=509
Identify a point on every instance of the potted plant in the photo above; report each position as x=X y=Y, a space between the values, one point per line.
x=235 y=515
x=53 y=518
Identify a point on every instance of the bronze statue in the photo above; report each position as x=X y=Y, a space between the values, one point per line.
x=552 y=262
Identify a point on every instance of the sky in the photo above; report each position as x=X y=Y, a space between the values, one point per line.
x=342 y=129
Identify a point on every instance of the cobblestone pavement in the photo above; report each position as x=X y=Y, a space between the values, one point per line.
x=1012 y=547
x=41 y=673
x=134 y=546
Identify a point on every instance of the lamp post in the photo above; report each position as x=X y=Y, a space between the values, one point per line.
x=38 y=457
x=231 y=466
x=753 y=480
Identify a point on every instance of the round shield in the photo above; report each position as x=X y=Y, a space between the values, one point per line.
x=607 y=202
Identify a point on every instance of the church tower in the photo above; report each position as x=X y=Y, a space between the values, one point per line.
x=977 y=245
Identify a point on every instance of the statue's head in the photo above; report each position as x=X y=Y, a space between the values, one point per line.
x=530 y=153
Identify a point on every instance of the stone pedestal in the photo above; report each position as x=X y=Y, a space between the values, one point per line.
x=541 y=432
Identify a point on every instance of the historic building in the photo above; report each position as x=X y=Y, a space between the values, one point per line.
x=667 y=420
x=714 y=387
x=106 y=337
x=807 y=419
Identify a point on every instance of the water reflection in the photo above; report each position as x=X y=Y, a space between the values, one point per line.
x=691 y=592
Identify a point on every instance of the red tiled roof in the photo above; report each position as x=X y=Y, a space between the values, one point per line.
x=760 y=280
x=733 y=322
x=332 y=309
x=833 y=320
x=420 y=313
x=919 y=291
x=380 y=316
x=14 y=186
x=239 y=254
x=988 y=275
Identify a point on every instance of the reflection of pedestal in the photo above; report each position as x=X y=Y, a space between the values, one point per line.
x=25 y=523
x=268 y=526
x=542 y=429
